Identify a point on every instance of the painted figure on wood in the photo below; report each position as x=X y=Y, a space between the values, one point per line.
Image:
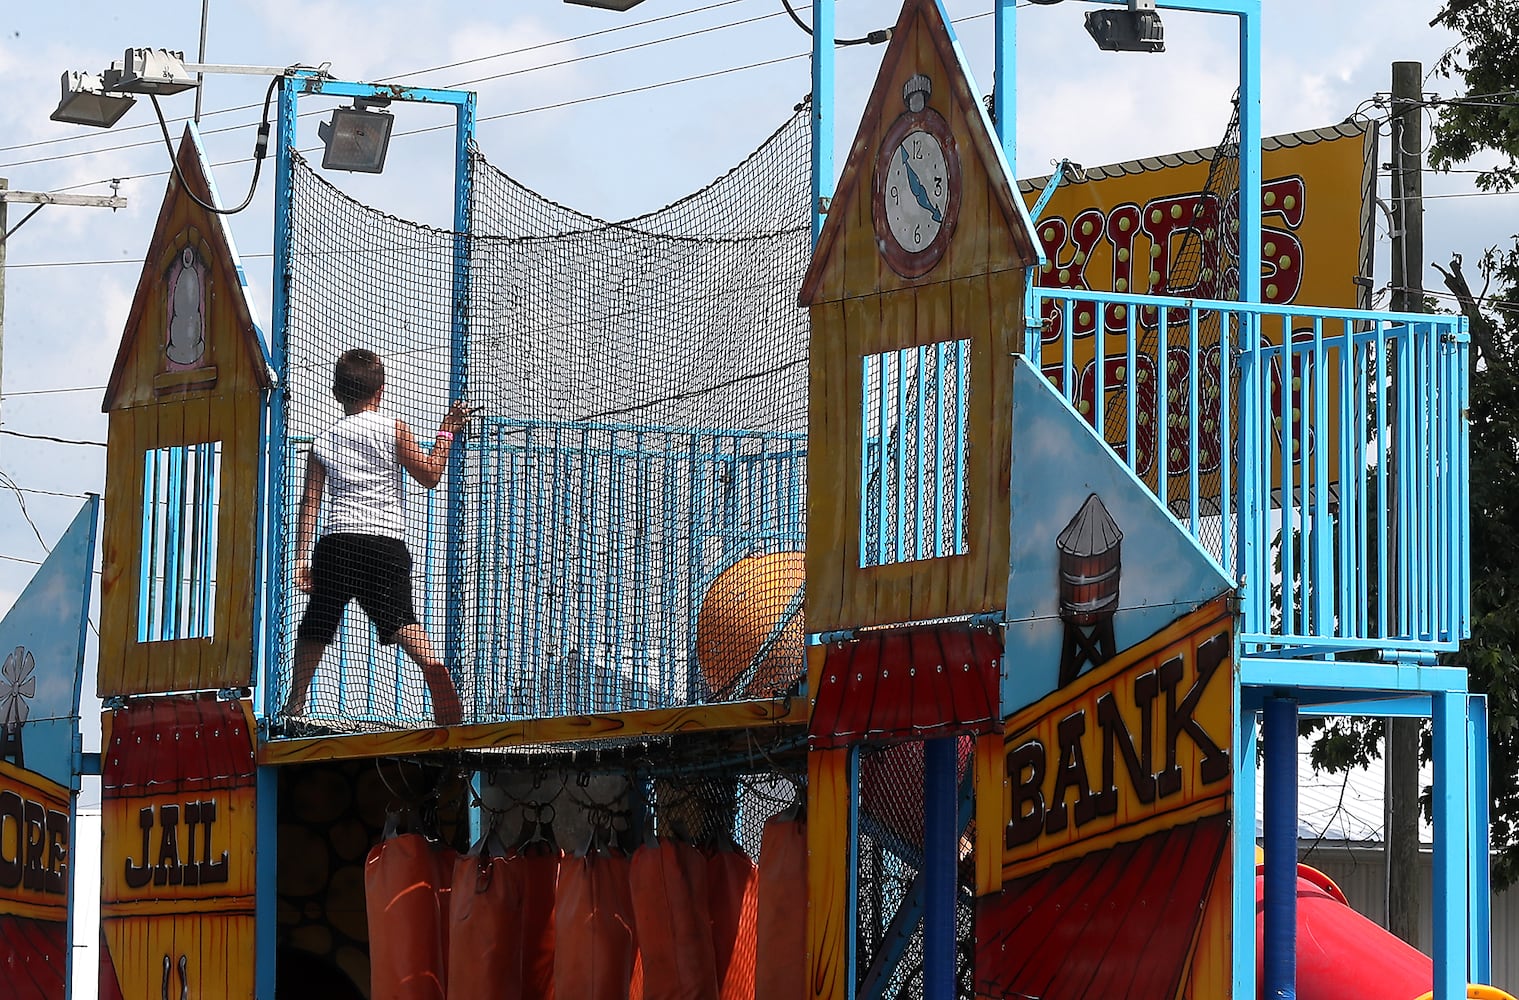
x=359 y=463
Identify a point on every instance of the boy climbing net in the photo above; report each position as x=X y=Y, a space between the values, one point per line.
x=360 y=463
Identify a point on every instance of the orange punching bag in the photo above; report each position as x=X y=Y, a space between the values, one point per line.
x=594 y=945
x=485 y=928
x=539 y=878
x=669 y=887
x=732 y=899
x=406 y=880
x=781 y=939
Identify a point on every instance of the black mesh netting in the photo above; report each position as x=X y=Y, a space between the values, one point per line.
x=618 y=526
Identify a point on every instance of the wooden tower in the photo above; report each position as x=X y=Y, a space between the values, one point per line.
x=916 y=292
x=179 y=584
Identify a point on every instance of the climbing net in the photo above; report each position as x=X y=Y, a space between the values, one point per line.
x=639 y=403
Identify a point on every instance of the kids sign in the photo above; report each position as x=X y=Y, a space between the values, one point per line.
x=1165 y=226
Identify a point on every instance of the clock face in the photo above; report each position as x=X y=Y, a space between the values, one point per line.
x=917 y=192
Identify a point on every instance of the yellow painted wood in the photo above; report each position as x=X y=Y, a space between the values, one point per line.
x=218 y=952
x=237 y=587
x=180 y=381
x=991 y=810
x=1210 y=970
x=828 y=930
x=827 y=506
x=564 y=729
x=119 y=540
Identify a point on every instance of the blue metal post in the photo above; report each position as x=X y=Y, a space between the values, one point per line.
x=1005 y=83
x=274 y=447
x=822 y=110
x=1243 y=860
x=1480 y=961
x=458 y=379
x=1250 y=151
x=1280 y=822
x=1450 y=815
x=940 y=867
x=265 y=880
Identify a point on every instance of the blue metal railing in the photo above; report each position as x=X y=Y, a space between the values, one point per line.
x=587 y=551
x=1318 y=455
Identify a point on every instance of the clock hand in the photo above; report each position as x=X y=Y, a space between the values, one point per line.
x=918 y=190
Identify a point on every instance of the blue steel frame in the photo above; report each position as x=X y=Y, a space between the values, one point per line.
x=1462 y=887
x=295 y=84
x=1458 y=722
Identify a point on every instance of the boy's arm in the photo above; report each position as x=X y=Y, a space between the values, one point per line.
x=427 y=467
x=305 y=531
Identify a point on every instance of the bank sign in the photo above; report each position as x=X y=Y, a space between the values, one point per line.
x=1115 y=815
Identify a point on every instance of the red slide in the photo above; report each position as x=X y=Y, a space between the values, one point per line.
x=1341 y=955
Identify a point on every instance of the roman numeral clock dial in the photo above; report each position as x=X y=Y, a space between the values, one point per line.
x=916 y=198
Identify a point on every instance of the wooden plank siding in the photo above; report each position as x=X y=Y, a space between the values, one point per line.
x=153 y=404
x=984 y=309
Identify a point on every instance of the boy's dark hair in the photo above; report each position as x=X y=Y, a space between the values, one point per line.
x=357 y=376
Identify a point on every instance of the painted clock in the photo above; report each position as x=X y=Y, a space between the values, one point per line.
x=915 y=201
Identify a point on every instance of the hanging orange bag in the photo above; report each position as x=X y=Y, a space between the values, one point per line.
x=485 y=927
x=732 y=900
x=594 y=944
x=539 y=877
x=669 y=889
x=406 y=880
x=781 y=938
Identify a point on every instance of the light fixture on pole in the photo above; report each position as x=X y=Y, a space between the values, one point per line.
x=1137 y=29
x=90 y=99
x=358 y=137
x=607 y=4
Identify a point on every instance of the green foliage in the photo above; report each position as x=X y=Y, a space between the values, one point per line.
x=1486 y=122
x=1487 y=60
x=1492 y=654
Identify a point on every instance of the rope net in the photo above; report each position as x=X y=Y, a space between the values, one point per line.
x=618 y=524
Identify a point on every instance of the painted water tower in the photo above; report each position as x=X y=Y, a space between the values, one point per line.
x=1090 y=566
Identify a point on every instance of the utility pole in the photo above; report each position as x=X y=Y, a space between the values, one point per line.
x=40 y=199
x=1401 y=760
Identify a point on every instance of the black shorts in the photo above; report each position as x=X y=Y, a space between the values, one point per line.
x=374 y=570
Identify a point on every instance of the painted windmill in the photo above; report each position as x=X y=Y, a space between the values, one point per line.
x=18 y=685
x=1089 y=571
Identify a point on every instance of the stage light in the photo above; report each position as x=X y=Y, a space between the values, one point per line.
x=1137 y=29
x=607 y=4
x=356 y=138
x=88 y=100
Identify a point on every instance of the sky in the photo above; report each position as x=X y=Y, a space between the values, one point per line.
x=585 y=106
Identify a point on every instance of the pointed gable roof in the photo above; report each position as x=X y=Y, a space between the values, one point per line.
x=231 y=333
x=994 y=231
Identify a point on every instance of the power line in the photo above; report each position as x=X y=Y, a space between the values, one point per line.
x=49 y=437
x=500 y=55
x=49 y=392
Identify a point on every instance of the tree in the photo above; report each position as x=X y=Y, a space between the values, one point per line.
x=1484 y=122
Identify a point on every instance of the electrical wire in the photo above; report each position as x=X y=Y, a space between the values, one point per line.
x=260 y=148
x=874 y=38
x=50 y=438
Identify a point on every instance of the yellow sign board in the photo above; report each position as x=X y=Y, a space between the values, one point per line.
x=1158 y=226
x=35 y=839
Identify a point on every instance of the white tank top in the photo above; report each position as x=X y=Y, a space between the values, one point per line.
x=365 y=492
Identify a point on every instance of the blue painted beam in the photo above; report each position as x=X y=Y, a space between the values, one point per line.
x=1343 y=675
x=1451 y=812
x=1479 y=852
x=940 y=865
x=1279 y=939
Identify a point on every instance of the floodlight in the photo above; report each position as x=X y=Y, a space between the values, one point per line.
x=154 y=71
x=607 y=4
x=87 y=99
x=1137 y=29
x=356 y=138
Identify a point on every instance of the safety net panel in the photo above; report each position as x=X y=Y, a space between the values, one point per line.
x=617 y=522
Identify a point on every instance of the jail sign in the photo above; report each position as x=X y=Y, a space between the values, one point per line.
x=178 y=817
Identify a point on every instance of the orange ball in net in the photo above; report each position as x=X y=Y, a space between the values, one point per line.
x=738 y=614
